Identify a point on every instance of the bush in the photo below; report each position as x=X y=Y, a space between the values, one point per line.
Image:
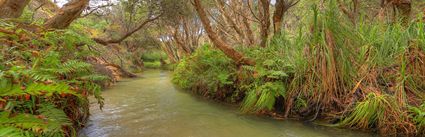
x=153 y=56
x=152 y=65
x=208 y=70
x=367 y=75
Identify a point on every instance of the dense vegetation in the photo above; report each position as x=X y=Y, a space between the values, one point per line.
x=45 y=82
x=49 y=67
x=341 y=63
x=368 y=75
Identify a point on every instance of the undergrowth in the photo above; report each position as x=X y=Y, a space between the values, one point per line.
x=45 y=81
x=366 y=76
x=208 y=71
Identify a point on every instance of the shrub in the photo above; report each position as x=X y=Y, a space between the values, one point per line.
x=153 y=65
x=207 y=69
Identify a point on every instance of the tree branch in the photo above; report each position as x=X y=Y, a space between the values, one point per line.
x=95 y=9
x=115 y=41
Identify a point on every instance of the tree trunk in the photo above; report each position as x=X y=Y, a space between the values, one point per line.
x=278 y=15
x=247 y=24
x=166 y=46
x=280 y=9
x=12 y=8
x=265 y=21
x=68 y=13
x=217 y=41
x=230 y=20
x=404 y=8
x=353 y=13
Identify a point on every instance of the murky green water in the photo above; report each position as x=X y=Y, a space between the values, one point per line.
x=152 y=107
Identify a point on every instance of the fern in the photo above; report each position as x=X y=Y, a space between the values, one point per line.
x=39 y=89
x=95 y=90
x=26 y=122
x=48 y=123
x=36 y=82
x=40 y=76
x=263 y=96
x=249 y=101
x=69 y=67
x=8 y=131
x=56 y=117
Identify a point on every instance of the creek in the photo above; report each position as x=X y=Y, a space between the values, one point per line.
x=150 y=106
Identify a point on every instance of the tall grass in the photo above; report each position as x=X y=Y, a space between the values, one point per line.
x=368 y=75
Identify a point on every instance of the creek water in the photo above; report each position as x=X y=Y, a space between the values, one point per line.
x=150 y=106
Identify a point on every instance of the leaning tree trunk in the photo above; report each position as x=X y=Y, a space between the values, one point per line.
x=12 y=8
x=68 y=13
x=239 y=58
x=128 y=34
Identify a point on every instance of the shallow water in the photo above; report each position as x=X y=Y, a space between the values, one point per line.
x=151 y=106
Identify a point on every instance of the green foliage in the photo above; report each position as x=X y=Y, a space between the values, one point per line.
x=369 y=112
x=418 y=116
x=41 y=76
x=268 y=79
x=263 y=96
x=153 y=56
x=369 y=72
x=8 y=131
x=48 y=122
x=152 y=65
x=207 y=68
x=381 y=111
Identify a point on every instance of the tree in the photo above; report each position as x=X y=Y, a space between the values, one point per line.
x=12 y=8
x=239 y=58
x=353 y=13
x=400 y=8
x=264 y=16
x=280 y=9
x=67 y=14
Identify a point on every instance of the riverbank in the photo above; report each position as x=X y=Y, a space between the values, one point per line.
x=45 y=80
x=368 y=77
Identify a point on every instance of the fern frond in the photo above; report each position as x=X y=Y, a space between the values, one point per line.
x=56 y=117
x=95 y=90
x=7 y=131
x=72 y=66
x=23 y=121
x=39 y=89
x=40 y=76
x=94 y=77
